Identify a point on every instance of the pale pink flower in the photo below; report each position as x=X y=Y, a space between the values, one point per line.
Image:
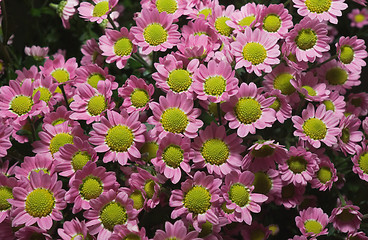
x=96 y=12
x=358 y=17
x=60 y=70
x=92 y=54
x=351 y=52
x=40 y=162
x=312 y=222
x=176 y=231
x=350 y=135
x=39 y=53
x=276 y=20
x=346 y=218
x=73 y=229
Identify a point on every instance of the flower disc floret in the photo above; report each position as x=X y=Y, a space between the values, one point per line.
x=149 y=188
x=347 y=54
x=254 y=52
x=248 y=110
x=222 y=27
x=21 y=104
x=264 y=151
x=80 y=159
x=324 y=174
x=179 y=80
x=119 y=138
x=318 y=6
x=169 y=6
x=313 y=226
x=282 y=83
x=96 y=105
x=138 y=200
x=45 y=94
x=306 y=39
x=239 y=194
x=5 y=194
x=271 y=23
x=297 y=164
x=315 y=128
x=60 y=140
x=197 y=200
x=60 y=75
x=40 y=203
x=363 y=162
x=113 y=214
x=94 y=78
x=123 y=47
x=174 y=120
x=215 y=85
x=91 y=187
x=173 y=155
x=262 y=183
x=154 y=34
x=100 y=9
x=336 y=76
x=139 y=98
x=215 y=151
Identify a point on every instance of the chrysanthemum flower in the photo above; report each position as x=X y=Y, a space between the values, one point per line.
x=40 y=162
x=197 y=200
x=351 y=52
x=216 y=151
x=289 y=56
x=111 y=209
x=174 y=74
x=360 y=161
x=218 y=19
x=326 y=10
x=122 y=232
x=280 y=105
x=309 y=87
x=73 y=229
x=38 y=200
x=317 y=126
x=335 y=102
x=246 y=17
x=176 y=8
x=256 y=51
x=325 y=176
x=5 y=144
x=346 y=218
x=118 y=136
x=357 y=103
x=176 y=231
x=66 y=9
x=248 y=110
x=46 y=87
x=155 y=31
x=37 y=52
x=200 y=27
x=29 y=232
x=312 y=222
x=255 y=231
x=358 y=17
x=208 y=231
x=60 y=70
x=197 y=46
x=276 y=20
x=117 y=46
x=202 y=9
x=92 y=53
x=6 y=187
x=175 y=114
x=149 y=147
x=89 y=183
x=32 y=73
x=93 y=74
x=308 y=39
x=5 y=169
x=350 y=135
x=98 y=11
x=290 y=196
x=137 y=94
x=268 y=183
x=357 y=236
x=59 y=116
x=173 y=155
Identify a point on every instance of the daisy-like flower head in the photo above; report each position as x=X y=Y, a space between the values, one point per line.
x=289 y=56
x=316 y=126
x=176 y=8
x=6 y=187
x=357 y=236
x=325 y=176
x=358 y=18
x=29 y=232
x=31 y=73
x=216 y=151
x=137 y=94
x=173 y=156
x=312 y=222
x=5 y=144
x=200 y=27
x=216 y=82
x=59 y=116
x=93 y=74
x=111 y=209
x=208 y=231
x=290 y=196
x=346 y=218
x=351 y=52
x=268 y=183
x=300 y=166
x=149 y=147
x=89 y=183
x=197 y=200
x=248 y=110
x=255 y=231
x=37 y=52
x=155 y=31
x=60 y=70
x=308 y=39
x=174 y=74
x=309 y=87
x=118 y=136
x=202 y=9
x=38 y=200
x=335 y=102
x=360 y=161
x=350 y=135
x=122 y=232
x=66 y=9
x=176 y=231
x=137 y=195
x=247 y=16
x=197 y=46
x=256 y=51
x=117 y=46
x=276 y=20
x=175 y=114
x=92 y=53
x=218 y=20
x=280 y=105
x=323 y=10
x=46 y=87
x=357 y=103
x=239 y=197
x=38 y=163
x=96 y=12
x=73 y=229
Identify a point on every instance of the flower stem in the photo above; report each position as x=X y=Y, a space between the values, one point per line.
x=139 y=59
x=64 y=95
x=112 y=22
x=320 y=64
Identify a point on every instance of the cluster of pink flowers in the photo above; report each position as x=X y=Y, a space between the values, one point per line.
x=235 y=113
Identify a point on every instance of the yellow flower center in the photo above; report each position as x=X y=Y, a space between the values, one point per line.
x=174 y=120
x=276 y=105
x=21 y=105
x=225 y=209
x=45 y=94
x=5 y=194
x=60 y=75
x=315 y=128
x=40 y=203
x=215 y=151
x=318 y=6
x=139 y=98
x=79 y=160
x=347 y=54
x=306 y=39
x=222 y=27
x=345 y=137
x=100 y=9
x=149 y=151
x=324 y=174
x=254 y=52
x=310 y=90
x=96 y=105
x=239 y=194
x=248 y=110
x=119 y=138
x=257 y=234
x=363 y=162
x=154 y=34
x=359 y=18
x=262 y=183
x=215 y=85
x=138 y=200
x=206 y=12
x=197 y=200
x=297 y=164
x=206 y=229
x=60 y=140
x=173 y=155
x=149 y=188
x=313 y=226
x=169 y=6
x=179 y=80
x=131 y=236
x=247 y=20
x=123 y=47
x=94 y=78
x=271 y=23
x=282 y=83
x=336 y=76
x=58 y=121
x=264 y=151
x=329 y=105
x=91 y=187
x=113 y=214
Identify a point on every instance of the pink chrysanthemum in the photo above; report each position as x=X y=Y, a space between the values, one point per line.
x=40 y=162
x=60 y=70
x=220 y=15
x=37 y=52
x=248 y=110
x=47 y=87
x=29 y=232
x=289 y=56
x=350 y=135
x=92 y=53
x=31 y=73
x=122 y=232
x=357 y=103
x=155 y=31
x=358 y=17
x=247 y=16
x=175 y=113
x=351 y=52
x=5 y=169
x=357 y=236
x=335 y=102
x=280 y=105
x=73 y=229
x=38 y=200
x=217 y=151
x=346 y=218
x=256 y=51
x=216 y=82
x=173 y=155
x=59 y=116
x=175 y=8
x=98 y=11
x=202 y=9
x=316 y=126
x=308 y=39
x=93 y=74
x=255 y=230
x=89 y=183
x=325 y=176
x=290 y=196
x=326 y=10
x=197 y=200
x=118 y=136
x=7 y=184
x=117 y=46
x=176 y=231
x=66 y=10
x=276 y=20
x=360 y=161
x=309 y=87
x=312 y=222
x=149 y=147
x=5 y=144
x=111 y=209
x=200 y=27
x=268 y=183
x=137 y=94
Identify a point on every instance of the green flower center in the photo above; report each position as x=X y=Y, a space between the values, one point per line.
x=215 y=86
x=94 y=78
x=297 y=164
x=306 y=39
x=336 y=76
x=247 y=21
x=21 y=105
x=138 y=200
x=131 y=236
x=239 y=194
x=329 y=105
x=225 y=209
x=347 y=54
x=139 y=98
x=60 y=140
x=149 y=151
x=345 y=137
x=179 y=80
x=96 y=105
x=154 y=34
x=5 y=194
x=40 y=203
x=79 y=160
x=271 y=23
x=206 y=12
x=173 y=155
x=318 y=6
x=288 y=191
x=206 y=229
x=37 y=170
x=276 y=105
x=100 y=9
x=264 y=151
x=315 y=128
x=123 y=47
x=60 y=75
x=248 y=110
x=310 y=90
x=119 y=138
x=169 y=6
x=262 y=183
x=91 y=187
x=197 y=200
x=345 y=216
x=58 y=121
x=282 y=83
x=222 y=27
x=45 y=94
x=254 y=52
x=313 y=226
x=257 y=234
x=113 y=214
x=174 y=120
x=324 y=174
x=215 y=151
x=149 y=188
x=359 y=18
x=363 y=162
